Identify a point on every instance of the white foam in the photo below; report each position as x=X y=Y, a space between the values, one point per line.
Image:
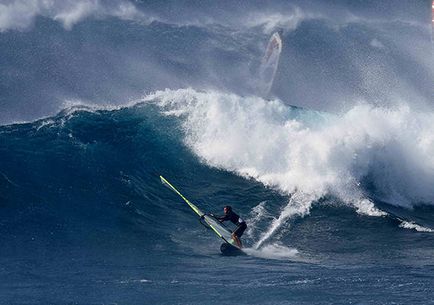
x=128 y=281
x=298 y=205
x=391 y=148
x=367 y=207
x=261 y=139
x=413 y=226
x=257 y=213
x=273 y=251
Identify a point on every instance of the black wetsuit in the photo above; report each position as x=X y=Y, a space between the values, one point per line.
x=235 y=219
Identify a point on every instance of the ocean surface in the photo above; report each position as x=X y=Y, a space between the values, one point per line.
x=333 y=171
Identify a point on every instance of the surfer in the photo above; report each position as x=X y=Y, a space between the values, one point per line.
x=235 y=219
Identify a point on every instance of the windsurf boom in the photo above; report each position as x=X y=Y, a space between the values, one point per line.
x=217 y=227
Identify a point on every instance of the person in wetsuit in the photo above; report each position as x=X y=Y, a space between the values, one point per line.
x=235 y=219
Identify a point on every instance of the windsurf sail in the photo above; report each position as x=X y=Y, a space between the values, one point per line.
x=217 y=227
x=269 y=64
x=432 y=21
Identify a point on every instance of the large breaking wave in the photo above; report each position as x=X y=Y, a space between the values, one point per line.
x=363 y=154
x=356 y=159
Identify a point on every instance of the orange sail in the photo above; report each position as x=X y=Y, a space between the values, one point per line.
x=269 y=64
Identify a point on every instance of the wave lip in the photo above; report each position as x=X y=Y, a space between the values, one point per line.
x=415 y=226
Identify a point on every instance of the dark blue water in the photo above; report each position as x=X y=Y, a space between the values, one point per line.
x=85 y=220
x=339 y=203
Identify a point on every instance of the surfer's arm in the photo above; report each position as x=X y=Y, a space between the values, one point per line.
x=222 y=218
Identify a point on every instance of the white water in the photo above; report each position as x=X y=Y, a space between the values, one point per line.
x=308 y=154
x=275 y=251
x=414 y=226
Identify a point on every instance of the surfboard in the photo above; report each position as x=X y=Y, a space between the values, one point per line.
x=229 y=247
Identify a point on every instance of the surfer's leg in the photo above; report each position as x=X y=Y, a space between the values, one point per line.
x=237 y=240
x=236 y=235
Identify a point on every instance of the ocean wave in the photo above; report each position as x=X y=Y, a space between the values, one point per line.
x=352 y=159
x=367 y=151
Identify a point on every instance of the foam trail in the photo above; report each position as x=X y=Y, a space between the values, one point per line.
x=299 y=205
x=256 y=215
x=274 y=251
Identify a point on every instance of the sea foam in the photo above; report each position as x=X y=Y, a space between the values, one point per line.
x=363 y=153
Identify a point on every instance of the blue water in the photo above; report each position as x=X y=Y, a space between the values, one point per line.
x=337 y=192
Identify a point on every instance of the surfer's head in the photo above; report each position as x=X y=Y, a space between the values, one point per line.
x=227 y=209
